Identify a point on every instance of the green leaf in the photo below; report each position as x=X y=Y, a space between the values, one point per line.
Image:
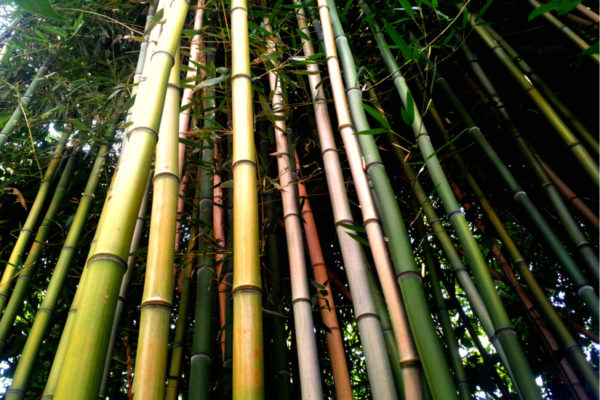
x=408 y=114
x=398 y=41
x=212 y=82
x=359 y=239
x=39 y=7
x=541 y=10
x=375 y=131
x=407 y=7
x=377 y=115
x=593 y=49
x=355 y=228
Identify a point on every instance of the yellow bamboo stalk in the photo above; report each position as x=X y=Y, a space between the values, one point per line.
x=248 y=371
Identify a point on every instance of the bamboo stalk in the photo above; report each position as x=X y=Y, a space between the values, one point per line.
x=584 y=289
x=590 y=140
x=24 y=101
x=592 y=16
x=248 y=371
x=135 y=242
x=579 y=152
x=569 y=194
x=522 y=375
x=572 y=36
x=14 y=261
x=464 y=391
x=79 y=377
x=572 y=228
x=157 y=298
x=40 y=325
x=29 y=269
x=380 y=376
x=430 y=351
x=569 y=344
x=201 y=358
x=172 y=391
x=306 y=344
x=341 y=377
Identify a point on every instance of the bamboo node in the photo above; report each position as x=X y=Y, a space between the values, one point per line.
x=206 y=356
x=171 y=58
x=176 y=87
x=584 y=287
x=301 y=299
x=156 y=303
x=454 y=214
x=508 y=330
x=246 y=288
x=87 y=196
x=107 y=257
x=519 y=193
x=165 y=174
x=364 y=315
x=406 y=273
x=235 y=76
x=142 y=128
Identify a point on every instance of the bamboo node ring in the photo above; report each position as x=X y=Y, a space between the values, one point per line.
x=235 y=76
x=246 y=288
x=142 y=128
x=165 y=174
x=202 y=355
x=108 y=257
x=407 y=273
x=366 y=314
x=519 y=193
x=454 y=214
x=301 y=299
x=509 y=330
x=164 y=52
x=584 y=287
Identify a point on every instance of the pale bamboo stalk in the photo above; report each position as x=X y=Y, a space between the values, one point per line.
x=89 y=339
x=157 y=298
x=339 y=367
x=306 y=344
x=378 y=367
x=248 y=369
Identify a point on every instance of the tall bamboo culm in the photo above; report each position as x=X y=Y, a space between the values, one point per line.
x=409 y=280
x=24 y=101
x=335 y=345
x=584 y=289
x=380 y=376
x=248 y=369
x=29 y=269
x=80 y=376
x=43 y=317
x=306 y=343
x=579 y=152
x=583 y=247
x=517 y=362
x=16 y=255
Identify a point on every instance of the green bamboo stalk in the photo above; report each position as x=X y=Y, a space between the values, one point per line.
x=173 y=376
x=80 y=376
x=248 y=369
x=306 y=344
x=135 y=242
x=579 y=152
x=569 y=344
x=433 y=268
x=572 y=36
x=201 y=359
x=590 y=140
x=24 y=101
x=280 y=365
x=28 y=271
x=388 y=333
x=581 y=244
x=14 y=261
x=584 y=289
x=424 y=334
x=157 y=298
x=380 y=375
x=37 y=332
x=523 y=377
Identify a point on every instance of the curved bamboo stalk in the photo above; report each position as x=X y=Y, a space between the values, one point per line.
x=584 y=289
x=522 y=375
x=135 y=242
x=572 y=228
x=579 y=152
x=424 y=334
x=572 y=36
x=172 y=392
x=31 y=262
x=569 y=195
x=248 y=370
x=201 y=358
x=574 y=353
x=464 y=391
x=14 y=261
x=79 y=377
x=341 y=377
x=24 y=101
x=306 y=343
x=380 y=375
x=157 y=298
x=40 y=325
x=590 y=140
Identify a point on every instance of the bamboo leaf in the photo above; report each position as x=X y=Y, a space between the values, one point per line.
x=355 y=228
x=408 y=114
x=359 y=239
x=374 y=131
x=377 y=115
x=398 y=40
x=39 y=7
x=212 y=82
x=407 y=7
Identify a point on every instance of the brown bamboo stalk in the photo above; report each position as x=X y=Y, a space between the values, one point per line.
x=221 y=240
x=592 y=16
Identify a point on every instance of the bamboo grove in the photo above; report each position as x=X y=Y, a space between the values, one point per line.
x=299 y=199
